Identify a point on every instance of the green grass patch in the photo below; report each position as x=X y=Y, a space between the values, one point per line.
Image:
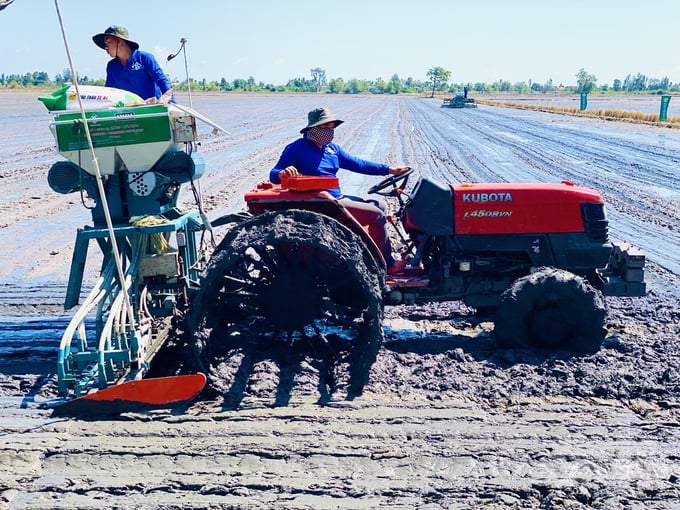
x=605 y=114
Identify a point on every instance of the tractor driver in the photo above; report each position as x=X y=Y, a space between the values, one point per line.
x=316 y=154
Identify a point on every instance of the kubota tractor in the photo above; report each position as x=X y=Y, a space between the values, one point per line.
x=298 y=266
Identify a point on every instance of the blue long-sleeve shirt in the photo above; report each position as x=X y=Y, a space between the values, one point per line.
x=141 y=74
x=309 y=159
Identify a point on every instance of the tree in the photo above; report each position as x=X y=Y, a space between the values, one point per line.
x=336 y=86
x=355 y=86
x=225 y=85
x=520 y=87
x=635 y=83
x=43 y=79
x=240 y=84
x=319 y=78
x=585 y=81
x=66 y=75
x=501 y=86
x=479 y=87
x=379 y=86
x=394 y=86
x=438 y=77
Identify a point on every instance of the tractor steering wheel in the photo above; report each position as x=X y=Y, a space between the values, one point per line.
x=395 y=181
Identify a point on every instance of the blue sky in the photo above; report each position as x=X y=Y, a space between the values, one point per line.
x=273 y=41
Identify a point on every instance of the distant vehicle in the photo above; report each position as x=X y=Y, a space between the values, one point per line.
x=459 y=101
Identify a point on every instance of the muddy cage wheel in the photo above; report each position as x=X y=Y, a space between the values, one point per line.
x=551 y=308
x=291 y=276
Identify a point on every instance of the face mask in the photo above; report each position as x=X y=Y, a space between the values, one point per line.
x=320 y=136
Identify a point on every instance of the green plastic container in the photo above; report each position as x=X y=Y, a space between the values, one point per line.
x=113 y=127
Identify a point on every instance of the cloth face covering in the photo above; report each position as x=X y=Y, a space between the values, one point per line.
x=321 y=136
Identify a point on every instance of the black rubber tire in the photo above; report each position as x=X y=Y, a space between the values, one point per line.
x=290 y=276
x=551 y=308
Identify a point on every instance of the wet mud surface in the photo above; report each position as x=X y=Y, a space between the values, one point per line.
x=447 y=419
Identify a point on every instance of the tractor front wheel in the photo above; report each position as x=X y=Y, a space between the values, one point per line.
x=551 y=308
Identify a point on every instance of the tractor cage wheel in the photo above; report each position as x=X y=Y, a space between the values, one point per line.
x=296 y=275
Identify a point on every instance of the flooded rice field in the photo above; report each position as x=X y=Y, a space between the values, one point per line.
x=448 y=419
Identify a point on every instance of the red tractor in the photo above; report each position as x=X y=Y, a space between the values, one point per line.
x=299 y=266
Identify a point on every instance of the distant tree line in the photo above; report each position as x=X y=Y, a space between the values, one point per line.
x=41 y=79
x=437 y=82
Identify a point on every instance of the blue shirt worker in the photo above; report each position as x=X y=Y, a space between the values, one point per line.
x=132 y=69
x=316 y=154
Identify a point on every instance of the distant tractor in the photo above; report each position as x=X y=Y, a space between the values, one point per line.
x=459 y=101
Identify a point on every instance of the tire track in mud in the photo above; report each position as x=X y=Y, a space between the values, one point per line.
x=432 y=150
x=387 y=453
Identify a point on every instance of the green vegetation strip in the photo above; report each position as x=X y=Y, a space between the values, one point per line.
x=605 y=114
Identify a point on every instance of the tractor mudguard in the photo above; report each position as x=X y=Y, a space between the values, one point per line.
x=306 y=193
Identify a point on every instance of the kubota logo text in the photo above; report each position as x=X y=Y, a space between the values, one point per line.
x=481 y=198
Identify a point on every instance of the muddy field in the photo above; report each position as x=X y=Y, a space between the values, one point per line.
x=447 y=420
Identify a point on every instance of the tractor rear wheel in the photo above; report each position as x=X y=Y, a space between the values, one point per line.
x=291 y=276
x=551 y=308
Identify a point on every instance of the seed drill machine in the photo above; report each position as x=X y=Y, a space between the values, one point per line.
x=129 y=165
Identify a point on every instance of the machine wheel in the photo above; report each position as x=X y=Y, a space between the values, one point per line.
x=291 y=276
x=551 y=308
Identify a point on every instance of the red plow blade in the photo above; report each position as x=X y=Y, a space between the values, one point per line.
x=154 y=393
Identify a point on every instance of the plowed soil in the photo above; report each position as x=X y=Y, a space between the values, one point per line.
x=447 y=419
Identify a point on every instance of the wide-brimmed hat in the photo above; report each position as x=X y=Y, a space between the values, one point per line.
x=115 y=31
x=320 y=116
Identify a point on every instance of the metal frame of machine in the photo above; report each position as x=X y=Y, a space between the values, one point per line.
x=144 y=154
